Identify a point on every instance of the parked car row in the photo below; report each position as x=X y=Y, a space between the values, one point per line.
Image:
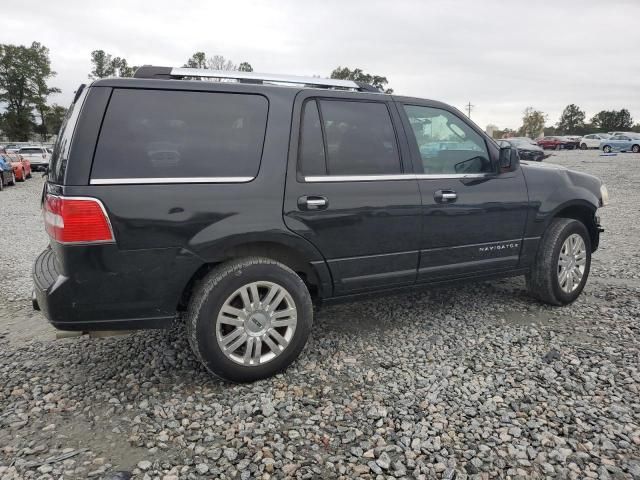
x=13 y=168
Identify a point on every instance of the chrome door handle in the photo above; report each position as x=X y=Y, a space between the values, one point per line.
x=312 y=202
x=445 y=196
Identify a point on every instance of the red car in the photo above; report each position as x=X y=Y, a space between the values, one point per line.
x=21 y=166
x=556 y=143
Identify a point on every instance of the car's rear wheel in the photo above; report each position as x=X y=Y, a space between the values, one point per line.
x=606 y=149
x=562 y=263
x=583 y=146
x=249 y=319
x=635 y=148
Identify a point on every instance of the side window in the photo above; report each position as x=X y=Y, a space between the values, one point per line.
x=359 y=138
x=177 y=134
x=311 y=157
x=447 y=145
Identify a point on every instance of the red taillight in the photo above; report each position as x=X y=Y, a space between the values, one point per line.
x=76 y=220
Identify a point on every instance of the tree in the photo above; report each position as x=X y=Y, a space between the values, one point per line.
x=105 y=65
x=612 y=120
x=54 y=116
x=532 y=123
x=216 y=62
x=344 y=73
x=571 y=120
x=24 y=76
x=245 y=67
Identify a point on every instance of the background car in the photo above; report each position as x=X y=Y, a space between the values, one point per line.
x=593 y=140
x=21 y=166
x=621 y=143
x=7 y=177
x=38 y=156
x=526 y=150
x=556 y=143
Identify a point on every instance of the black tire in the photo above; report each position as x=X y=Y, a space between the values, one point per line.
x=29 y=176
x=209 y=298
x=542 y=280
x=606 y=149
x=12 y=182
x=635 y=148
x=583 y=146
x=1 y=182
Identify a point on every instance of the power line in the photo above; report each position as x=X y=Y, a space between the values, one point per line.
x=469 y=107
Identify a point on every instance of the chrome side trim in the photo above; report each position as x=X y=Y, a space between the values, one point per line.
x=379 y=178
x=266 y=77
x=134 y=181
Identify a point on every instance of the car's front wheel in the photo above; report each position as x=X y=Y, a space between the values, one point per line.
x=561 y=267
x=583 y=146
x=249 y=319
x=635 y=148
x=606 y=149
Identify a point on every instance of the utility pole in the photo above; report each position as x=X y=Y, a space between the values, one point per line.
x=469 y=107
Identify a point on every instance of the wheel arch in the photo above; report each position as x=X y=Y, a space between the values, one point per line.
x=300 y=258
x=585 y=213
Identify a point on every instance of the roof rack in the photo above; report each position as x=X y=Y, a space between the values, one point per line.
x=167 y=73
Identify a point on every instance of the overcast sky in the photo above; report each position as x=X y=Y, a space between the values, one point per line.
x=501 y=55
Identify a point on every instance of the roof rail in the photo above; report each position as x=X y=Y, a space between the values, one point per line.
x=166 y=73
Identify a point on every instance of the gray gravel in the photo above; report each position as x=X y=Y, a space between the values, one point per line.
x=477 y=381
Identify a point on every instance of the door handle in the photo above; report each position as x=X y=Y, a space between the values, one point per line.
x=445 y=196
x=312 y=202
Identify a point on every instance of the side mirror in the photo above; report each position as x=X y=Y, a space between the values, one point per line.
x=509 y=159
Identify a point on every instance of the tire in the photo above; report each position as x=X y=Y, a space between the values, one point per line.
x=635 y=148
x=1 y=182
x=23 y=177
x=558 y=147
x=223 y=287
x=13 y=179
x=606 y=149
x=30 y=173
x=543 y=280
x=583 y=146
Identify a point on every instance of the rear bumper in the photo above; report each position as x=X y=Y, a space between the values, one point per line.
x=104 y=294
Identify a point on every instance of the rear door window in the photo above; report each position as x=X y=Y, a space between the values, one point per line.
x=168 y=135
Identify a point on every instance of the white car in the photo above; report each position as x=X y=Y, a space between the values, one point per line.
x=593 y=140
x=38 y=156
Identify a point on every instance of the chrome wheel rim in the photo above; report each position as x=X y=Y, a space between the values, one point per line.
x=256 y=323
x=572 y=263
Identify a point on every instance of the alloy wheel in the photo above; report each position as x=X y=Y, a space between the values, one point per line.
x=572 y=263
x=256 y=323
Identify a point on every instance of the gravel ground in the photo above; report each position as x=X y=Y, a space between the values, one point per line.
x=477 y=381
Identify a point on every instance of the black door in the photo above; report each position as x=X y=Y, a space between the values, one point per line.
x=348 y=193
x=473 y=217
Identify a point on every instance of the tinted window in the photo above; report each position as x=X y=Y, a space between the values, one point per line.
x=359 y=138
x=171 y=134
x=446 y=143
x=31 y=150
x=312 y=158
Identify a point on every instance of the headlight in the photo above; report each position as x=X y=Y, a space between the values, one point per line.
x=604 y=195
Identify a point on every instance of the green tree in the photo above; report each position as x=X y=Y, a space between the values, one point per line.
x=105 y=65
x=532 y=123
x=24 y=75
x=344 y=73
x=612 y=120
x=54 y=116
x=245 y=67
x=216 y=62
x=571 y=120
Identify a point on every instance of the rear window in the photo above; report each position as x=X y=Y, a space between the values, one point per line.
x=60 y=154
x=31 y=150
x=162 y=134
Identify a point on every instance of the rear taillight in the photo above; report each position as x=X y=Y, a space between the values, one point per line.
x=76 y=220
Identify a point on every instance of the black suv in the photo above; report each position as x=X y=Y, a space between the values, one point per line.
x=245 y=202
